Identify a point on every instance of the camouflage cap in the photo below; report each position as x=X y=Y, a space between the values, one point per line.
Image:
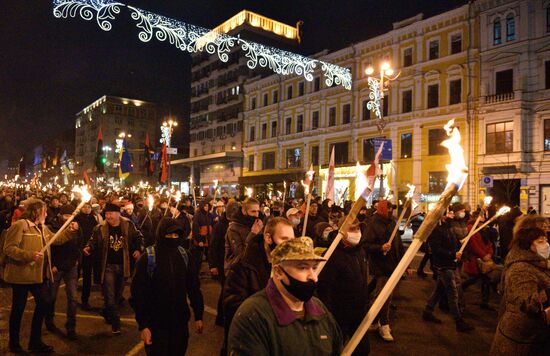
x=297 y=249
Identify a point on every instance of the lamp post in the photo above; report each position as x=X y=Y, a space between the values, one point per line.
x=377 y=86
x=167 y=128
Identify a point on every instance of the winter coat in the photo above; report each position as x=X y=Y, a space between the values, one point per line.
x=87 y=223
x=183 y=221
x=23 y=239
x=478 y=247
x=99 y=244
x=146 y=226
x=216 y=252
x=522 y=329
x=458 y=228
x=248 y=275
x=67 y=255
x=202 y=228
x=444 y=246
x=343 y=284
x=379 y=230
x=238 y=234
x=160 y=300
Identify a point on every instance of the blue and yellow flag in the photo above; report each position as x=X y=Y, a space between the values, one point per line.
x=125 y=166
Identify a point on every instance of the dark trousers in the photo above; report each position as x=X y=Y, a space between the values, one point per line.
x=198 y=252
x=219 y=316
x=20 y=292
x=488 y=281
x=168 y=342
x=384 y=314
x=348 y=329
x=427 y=257
x=87 y=269
x=70 y=278
x=113 y=282
x=448 y=284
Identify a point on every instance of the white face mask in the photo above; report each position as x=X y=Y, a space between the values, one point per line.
x=461 y=215
x=543 y=250
x=326 y=232
x=294 y=221
x=354 y=237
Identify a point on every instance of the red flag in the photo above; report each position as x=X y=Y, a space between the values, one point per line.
x=100 y=159
x=330 y=180
x=371 y=173
x=86 y=178
x=163 y=174
x=149 y=163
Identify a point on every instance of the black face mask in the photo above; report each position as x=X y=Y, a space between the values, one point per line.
x=249 y=220
x=272 y=246
x=301 y=290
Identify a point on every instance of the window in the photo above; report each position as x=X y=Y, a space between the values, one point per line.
x=434 y=50
x=266 y=97
x=406 y=145
x=268 y=160
x=385 y=105
x=456 y=43
x=340 y=152
x=275 y=97
x=548 y=19
x=289 y=92
x=253 y=104
x=455 y=91
x=504 y=81
x=315 y=120
x=547 y=135
x=315 y=155
x=332 y=117
x=366 y=111
x=252 y=136
x=201 y=136
x=437 y=181
x=316 y=84
x=408 y=57
x=273 y=128
x=499 y=137
x=368 y=149
x=406 y=101
x=497 y=32
x=293 y=158
x=118 y=108
x=433 y=96
x=300 y=123
x=510 y=28
x=346 y=114
x=251 y=162
x=264 y=131
x=288 y=125
x=435 y=137
x=547 y=75
x=300 y=88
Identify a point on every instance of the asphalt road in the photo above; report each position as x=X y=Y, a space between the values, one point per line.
x=412 y=335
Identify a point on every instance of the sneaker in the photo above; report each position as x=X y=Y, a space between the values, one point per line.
x=40 y=348
x=429 y=316
x=385 y=333
x=463 y=326
x=116 y=330
x=374 y=327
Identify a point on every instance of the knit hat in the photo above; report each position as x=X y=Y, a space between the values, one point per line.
x=110 y=207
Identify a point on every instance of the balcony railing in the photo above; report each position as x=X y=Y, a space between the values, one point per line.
x=499 y=98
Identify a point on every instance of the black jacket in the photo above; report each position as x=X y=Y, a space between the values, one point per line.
x=87 y=222
x=216 y=251
x=378 y=232
x=183 y=221
x=66 y=256
x=343 y=283
x=444 y=246
x=160 y=301
x=248 y=275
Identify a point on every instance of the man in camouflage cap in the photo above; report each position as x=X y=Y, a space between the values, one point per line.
x=285 y=318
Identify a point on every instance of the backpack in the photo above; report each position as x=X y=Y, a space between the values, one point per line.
x=152 y=259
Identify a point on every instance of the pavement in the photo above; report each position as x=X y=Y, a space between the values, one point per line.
x=412 y=335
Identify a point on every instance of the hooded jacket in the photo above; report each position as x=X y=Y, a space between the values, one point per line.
x=160 y=300
x=238 y=234
x=216 y=251
x=444 y=246
x=202 y=227
x=526 y=277
x=66 y=256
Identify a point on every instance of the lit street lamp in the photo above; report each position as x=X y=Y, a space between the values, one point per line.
x=167 y=128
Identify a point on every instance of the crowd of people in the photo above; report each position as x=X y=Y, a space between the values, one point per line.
x=272 y=300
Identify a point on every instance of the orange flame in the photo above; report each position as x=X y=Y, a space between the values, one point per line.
x=458 y=171
x=410 y=193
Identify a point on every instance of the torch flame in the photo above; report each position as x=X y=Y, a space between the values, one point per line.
x=178 y=196
x=457 y=168
x=487 y=200
x=503 y=210
x=83 y=191
x=360 y=180
x=410 y=193
x=150 y=202
x=215 y=183
x=249 y=192
x=309 y=179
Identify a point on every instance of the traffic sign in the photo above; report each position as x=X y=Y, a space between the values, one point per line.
x=486 y=182
x=172 y=150
x=386 y=151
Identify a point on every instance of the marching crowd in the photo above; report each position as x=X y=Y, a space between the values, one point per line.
x=273 y=300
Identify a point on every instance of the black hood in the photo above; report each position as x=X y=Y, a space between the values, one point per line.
x=168 y=225
x=245 y=220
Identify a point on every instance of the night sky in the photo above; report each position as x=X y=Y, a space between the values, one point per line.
x=51 y=68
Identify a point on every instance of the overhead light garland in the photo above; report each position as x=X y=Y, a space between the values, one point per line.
x=191 y=38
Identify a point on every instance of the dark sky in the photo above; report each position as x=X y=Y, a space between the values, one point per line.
x=51 y=68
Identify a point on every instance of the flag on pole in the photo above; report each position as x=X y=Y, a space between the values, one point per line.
x=149 y=164
x=100 y=158
x=86 y=178
x=125 y=161
x=163 y=174
x=329 y=190
x=371 y=173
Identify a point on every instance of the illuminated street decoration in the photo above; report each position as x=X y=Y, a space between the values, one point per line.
x=191 y=38
x=374 y=96
x=165 y=135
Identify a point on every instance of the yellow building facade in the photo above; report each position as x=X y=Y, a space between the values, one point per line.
x=290 y=123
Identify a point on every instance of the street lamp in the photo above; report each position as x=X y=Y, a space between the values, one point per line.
x=377 y=87
x=167 y=128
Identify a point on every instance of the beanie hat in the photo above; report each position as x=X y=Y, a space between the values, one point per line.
x=110 y=207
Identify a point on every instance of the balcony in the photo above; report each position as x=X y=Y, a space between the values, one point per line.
x=498 y=98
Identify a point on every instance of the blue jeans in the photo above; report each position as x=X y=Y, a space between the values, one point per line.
x=448 y=283
x=113 y=281
x=70 y=278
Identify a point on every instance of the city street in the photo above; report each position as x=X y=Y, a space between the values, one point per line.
x=412 y=335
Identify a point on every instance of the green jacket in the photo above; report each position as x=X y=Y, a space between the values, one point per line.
x=23 y=239
x=265 y=325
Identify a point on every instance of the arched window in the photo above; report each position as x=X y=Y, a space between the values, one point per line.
x=510 y=28
x=497 y=32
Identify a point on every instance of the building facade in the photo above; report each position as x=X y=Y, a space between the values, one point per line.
x=290 y=124
x=115 y=115
x=514 y=112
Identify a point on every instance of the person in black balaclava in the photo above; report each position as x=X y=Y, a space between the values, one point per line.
x=160 y=290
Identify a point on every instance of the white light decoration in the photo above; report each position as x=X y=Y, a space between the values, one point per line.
x=165 y=135
x=374 y=96
x=191 y=38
